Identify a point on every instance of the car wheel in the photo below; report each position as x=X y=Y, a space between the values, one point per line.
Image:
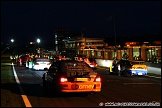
x=44 y=85
x=45 y=89
x=126 y=73
x=118 y=73
x=108 y=71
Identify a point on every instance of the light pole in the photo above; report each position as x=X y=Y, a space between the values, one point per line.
x=115 y=36
x=13 y=55
x=114 y=32
x=38 y=41
x=38 y=50
x=12 y=41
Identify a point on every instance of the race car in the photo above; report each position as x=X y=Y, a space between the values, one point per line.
x=71 y=76
x=91 y=62
x=39 y=64
x=22 y=59
x=120 y=67
x=138 y=68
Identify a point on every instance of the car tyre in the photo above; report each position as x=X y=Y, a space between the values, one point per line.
x=44 y=84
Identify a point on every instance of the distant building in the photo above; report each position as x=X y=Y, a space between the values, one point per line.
x=97 y=48
x=59 y=36
x=144 y=50
x=85 y=46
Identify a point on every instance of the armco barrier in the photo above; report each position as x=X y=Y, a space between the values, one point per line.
x=104 y=63
x=152 y=68
x=158 y=65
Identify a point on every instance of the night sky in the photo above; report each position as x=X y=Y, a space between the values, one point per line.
x=28 y=20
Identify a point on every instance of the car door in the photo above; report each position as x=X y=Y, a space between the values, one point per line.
x=50 y=77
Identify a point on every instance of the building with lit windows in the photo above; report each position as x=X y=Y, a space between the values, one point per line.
x=97 y=48
x=85 y=46
x=145 y=50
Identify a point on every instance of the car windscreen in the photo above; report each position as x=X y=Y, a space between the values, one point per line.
x=77 y=68
x=42 y=60
x=92 y=60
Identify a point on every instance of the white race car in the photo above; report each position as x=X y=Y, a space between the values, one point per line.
x=39 y=64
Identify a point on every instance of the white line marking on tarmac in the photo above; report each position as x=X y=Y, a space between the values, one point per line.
x=25 y=98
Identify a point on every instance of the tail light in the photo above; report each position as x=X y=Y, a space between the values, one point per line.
x=36 y=63
x=98 y=79
x=63 y=79
x=48 y=63
x=91 y=64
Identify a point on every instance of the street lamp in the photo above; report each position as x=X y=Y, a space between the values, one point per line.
x=12 y=46
x=12 y=40
x=115 y=54
x=38 y=41
x=114 y=31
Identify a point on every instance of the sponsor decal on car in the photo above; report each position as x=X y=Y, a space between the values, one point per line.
x=86 y=87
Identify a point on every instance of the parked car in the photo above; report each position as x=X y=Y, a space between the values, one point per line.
x=22 y=60
x=39 y=64
x=138 y=68
x=71 y=76
x=123 y=68
x=120 y=67
x=91 y=62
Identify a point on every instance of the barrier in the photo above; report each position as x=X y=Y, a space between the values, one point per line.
x=152 y=68
x=104 y=63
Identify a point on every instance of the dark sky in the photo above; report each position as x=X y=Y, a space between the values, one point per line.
x=27 y=20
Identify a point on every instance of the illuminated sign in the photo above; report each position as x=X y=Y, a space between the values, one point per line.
x=130 y=43
x=157 y=42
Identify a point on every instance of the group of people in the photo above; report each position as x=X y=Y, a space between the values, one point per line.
x=120 y=67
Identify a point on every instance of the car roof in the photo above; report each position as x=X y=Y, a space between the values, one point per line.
x=138 y=61
x=74 y=61
x=41 y=59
